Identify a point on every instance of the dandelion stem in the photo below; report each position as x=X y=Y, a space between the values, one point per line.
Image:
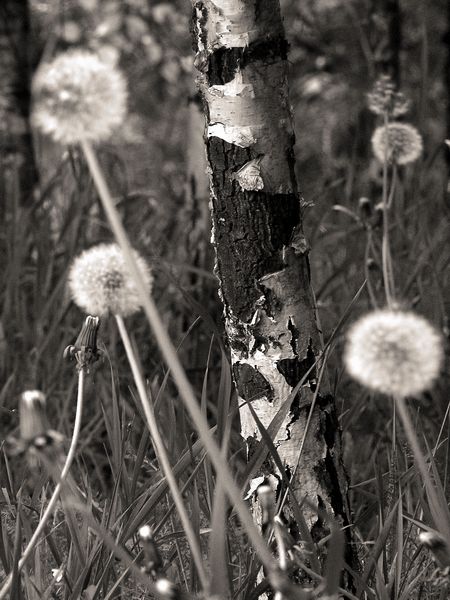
x=54 y=498
x=172 y=360
x=386 y=259
x=161 y=452
x=370 y=289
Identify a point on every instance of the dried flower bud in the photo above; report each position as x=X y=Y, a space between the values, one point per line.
x=77 y=97
x=166 y=588
x=437 y=544
x=394 y=352
x=145 y=533
x=385 y=100
x=33 y=420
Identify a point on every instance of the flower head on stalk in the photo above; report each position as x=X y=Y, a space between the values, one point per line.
x=34 y=429
x=403 y=141
x=385 y=100
x=77 y=98
x=393 y=352
x=100 y=282
x=85 y=350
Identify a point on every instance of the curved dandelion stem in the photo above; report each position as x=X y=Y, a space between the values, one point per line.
x=161 y=452
x=171 y=357
x=54 y=498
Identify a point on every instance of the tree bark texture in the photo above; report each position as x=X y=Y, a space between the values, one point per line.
x=17 y=163
x=261 y=252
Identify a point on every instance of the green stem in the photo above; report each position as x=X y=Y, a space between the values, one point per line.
x=161 y=452
x=173 y=362
x=54 y=498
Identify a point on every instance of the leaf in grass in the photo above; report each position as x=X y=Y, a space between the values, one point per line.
x=371 y=561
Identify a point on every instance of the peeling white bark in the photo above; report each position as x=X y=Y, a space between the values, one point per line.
x=233 y=23
x=249 y=176
x=253 y=111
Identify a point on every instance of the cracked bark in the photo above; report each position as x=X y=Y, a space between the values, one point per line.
x=261 y=252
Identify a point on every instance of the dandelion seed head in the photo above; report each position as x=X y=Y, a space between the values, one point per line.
x=77 y=97
x=404 y=143
x=393 y=352
x=100 y=282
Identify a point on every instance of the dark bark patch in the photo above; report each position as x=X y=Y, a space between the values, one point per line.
x=294 y=335
x=223 y=63
x=250 y=229
x=251 y=383
x=293 y=369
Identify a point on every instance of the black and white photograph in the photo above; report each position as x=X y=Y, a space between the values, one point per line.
x=224 y=299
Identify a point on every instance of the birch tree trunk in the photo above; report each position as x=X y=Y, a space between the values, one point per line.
x=261 y=252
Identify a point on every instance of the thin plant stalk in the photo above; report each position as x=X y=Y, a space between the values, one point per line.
x=370 y=289
x=169 y=353
x=385 y=245
x=54 y=498
x=161 y=452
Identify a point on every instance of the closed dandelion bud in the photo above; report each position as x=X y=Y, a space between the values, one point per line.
x=166 y=588
x=100 y=282
x=438 y=546
x=401 y=143
x=153 y=560
x=78 y=98
x=393 y=352
x=32 y=417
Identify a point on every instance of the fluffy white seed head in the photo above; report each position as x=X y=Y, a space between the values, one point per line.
x=77 y=97
x=394 y=352
x=404 y=143
x=100 y=282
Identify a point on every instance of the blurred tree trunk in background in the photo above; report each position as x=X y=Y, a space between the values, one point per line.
x=447 y=87
x=261 y=252
x=385 y=36
x=18 y=173
x=196 y=224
